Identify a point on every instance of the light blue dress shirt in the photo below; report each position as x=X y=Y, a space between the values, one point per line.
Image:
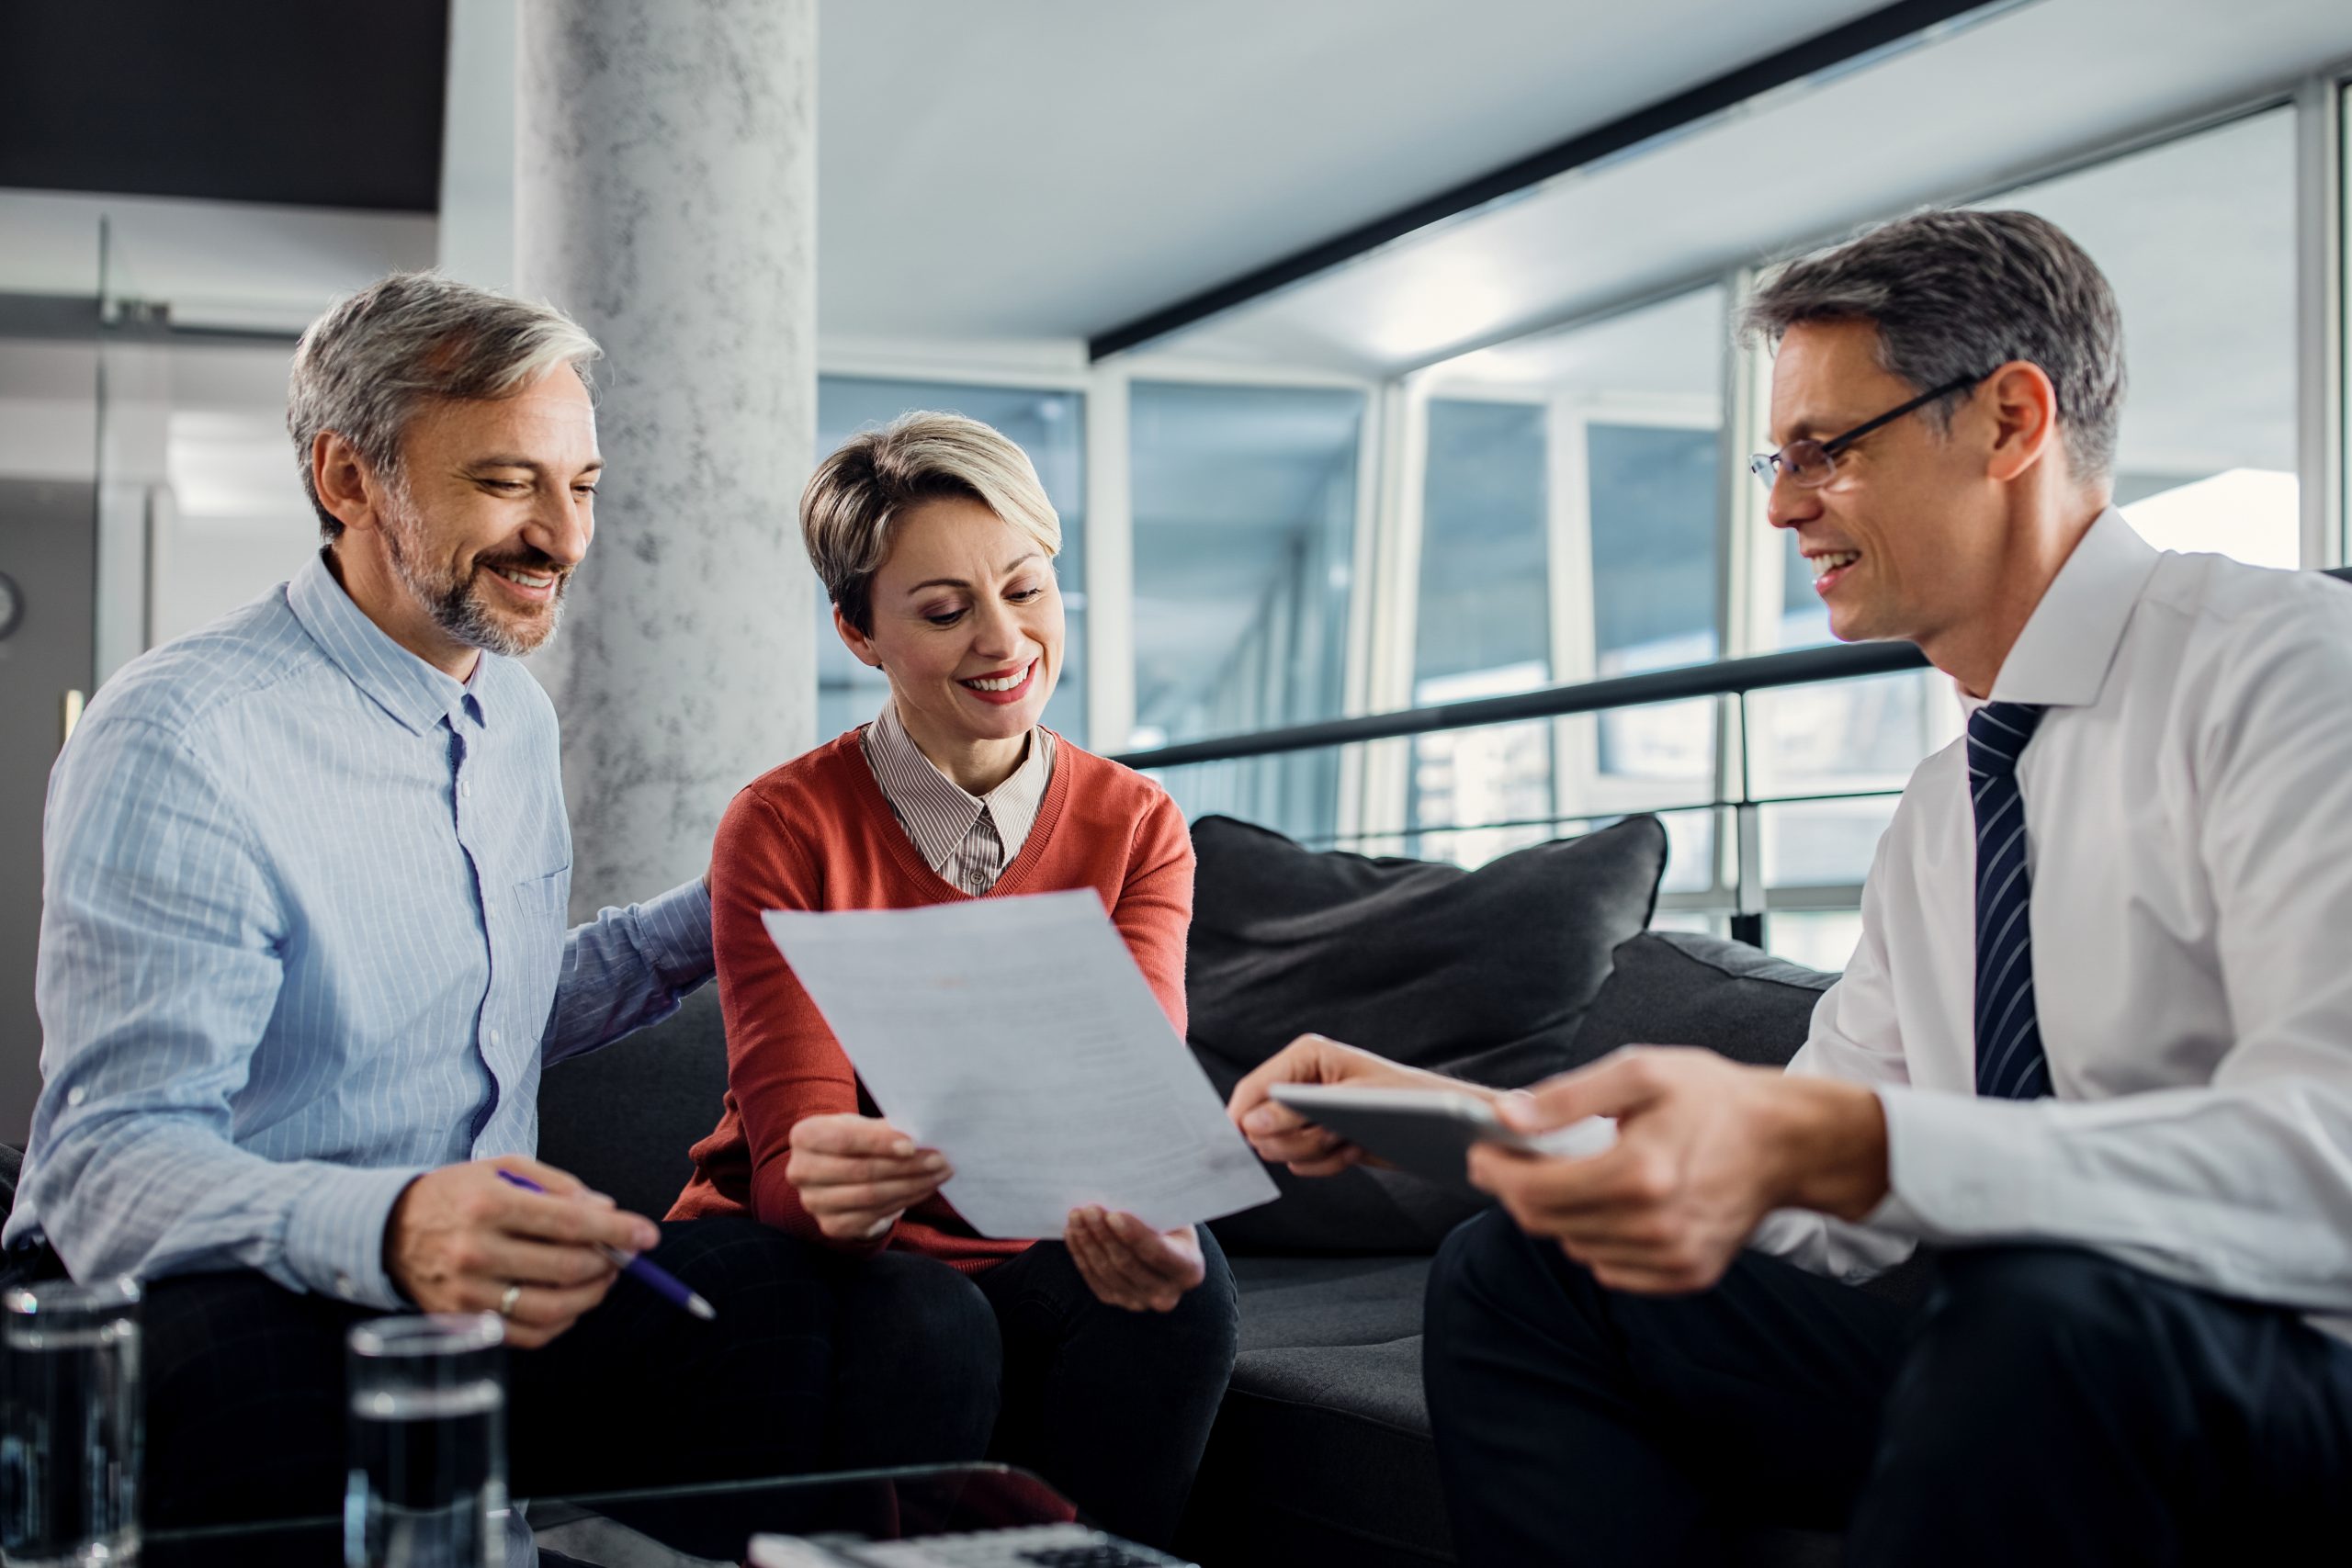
x=302 y=940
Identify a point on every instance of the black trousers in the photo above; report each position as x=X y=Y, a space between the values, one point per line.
x=2044 y=1404
x=1112 y=1406
x=800 y=1372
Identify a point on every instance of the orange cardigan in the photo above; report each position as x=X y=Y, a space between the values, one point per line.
x=816 y=833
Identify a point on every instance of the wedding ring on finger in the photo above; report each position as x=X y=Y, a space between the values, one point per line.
x=513 y=1292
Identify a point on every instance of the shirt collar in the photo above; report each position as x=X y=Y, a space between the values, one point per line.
x=397 y=681
x=939 y=813
x=2062 y=658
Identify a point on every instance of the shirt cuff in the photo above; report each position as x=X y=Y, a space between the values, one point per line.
x=1960 y=1168
x=674 y=930
x=334 y=1236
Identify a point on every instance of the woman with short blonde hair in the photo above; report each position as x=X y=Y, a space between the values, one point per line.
x=847 y=508
x=935 y=543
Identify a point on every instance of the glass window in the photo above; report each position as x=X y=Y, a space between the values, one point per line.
x=1049 y=425
x=1485 y=604
x=2205 y=460
x=2206 y=455
x=1244 y=503
x=1841 y=738
x=1484 y=627
x=1570 y=510
x=1818 y=938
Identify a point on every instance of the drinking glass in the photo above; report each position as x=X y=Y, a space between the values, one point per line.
x=427 y=1486
x=69 y=1424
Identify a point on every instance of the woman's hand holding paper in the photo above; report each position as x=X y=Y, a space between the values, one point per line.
x=856 y=1174
x=1127 y=1264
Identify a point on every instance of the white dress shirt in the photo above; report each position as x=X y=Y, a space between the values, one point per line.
x=2188 y=810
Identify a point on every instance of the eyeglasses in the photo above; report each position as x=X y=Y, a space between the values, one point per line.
x=1811 y=463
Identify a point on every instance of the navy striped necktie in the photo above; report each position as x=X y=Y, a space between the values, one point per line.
x=2009 y=1060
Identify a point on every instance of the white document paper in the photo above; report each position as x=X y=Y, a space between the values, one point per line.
x=1018 y=1037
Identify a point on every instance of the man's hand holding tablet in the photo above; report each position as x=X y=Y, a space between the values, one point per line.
x=1320 y=1107
x=1704 y=1149
x=1431 y=1131
x=1289 y=1137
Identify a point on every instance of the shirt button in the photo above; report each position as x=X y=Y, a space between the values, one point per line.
x=343 y=1286
x=494 y=1037
x=76 y=1095
x=466 y=788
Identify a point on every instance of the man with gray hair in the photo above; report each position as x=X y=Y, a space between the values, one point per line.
x=2094 y=1045
x=303 y=956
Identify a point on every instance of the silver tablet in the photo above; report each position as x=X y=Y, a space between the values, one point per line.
x=1429 y=1132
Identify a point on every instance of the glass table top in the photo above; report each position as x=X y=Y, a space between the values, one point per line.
x=677 y=1527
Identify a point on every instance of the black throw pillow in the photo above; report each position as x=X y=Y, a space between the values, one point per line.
x=1485 y=975
x=1683 y=988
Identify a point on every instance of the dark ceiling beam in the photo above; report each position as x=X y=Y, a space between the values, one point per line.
x=1842 y=46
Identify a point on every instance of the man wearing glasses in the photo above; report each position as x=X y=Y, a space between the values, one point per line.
x=2094 y=1045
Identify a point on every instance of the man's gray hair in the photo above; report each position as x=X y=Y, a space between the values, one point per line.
x=1958 y=294
x=368 y=366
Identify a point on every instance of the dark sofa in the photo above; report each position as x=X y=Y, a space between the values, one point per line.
x=1322 y=1452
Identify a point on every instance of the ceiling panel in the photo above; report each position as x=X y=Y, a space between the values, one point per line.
x=1053 y=168
x=1985 y=106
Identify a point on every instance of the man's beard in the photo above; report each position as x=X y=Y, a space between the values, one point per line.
x=454 y=597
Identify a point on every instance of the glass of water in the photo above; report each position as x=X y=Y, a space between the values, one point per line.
x=69 y=1424
x=428 y=1443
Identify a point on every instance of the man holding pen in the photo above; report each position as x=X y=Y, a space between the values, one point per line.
x=2095 y=1043
x=303 y=956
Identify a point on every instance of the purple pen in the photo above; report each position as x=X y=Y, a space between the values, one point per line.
x=659 y=1280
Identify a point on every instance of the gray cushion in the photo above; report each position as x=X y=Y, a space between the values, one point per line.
x=1322 y=1452
x=1681 y=989
x=622 y=1119
x=1482 y=974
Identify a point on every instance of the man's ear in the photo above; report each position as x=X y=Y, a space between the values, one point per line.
x=346 y=486
x=860 y=645
x=2022 y=403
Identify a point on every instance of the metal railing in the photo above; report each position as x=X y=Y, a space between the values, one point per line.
x=1725 y=677
x=1744 y=899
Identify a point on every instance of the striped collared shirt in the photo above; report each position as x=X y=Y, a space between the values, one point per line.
x=968 y=839
x=302 y=939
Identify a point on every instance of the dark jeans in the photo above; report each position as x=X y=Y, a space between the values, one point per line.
x=2044 y=1404
x=245 y=1380
x=1112 y=1406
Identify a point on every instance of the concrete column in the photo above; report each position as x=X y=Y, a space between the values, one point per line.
x=665 y=195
